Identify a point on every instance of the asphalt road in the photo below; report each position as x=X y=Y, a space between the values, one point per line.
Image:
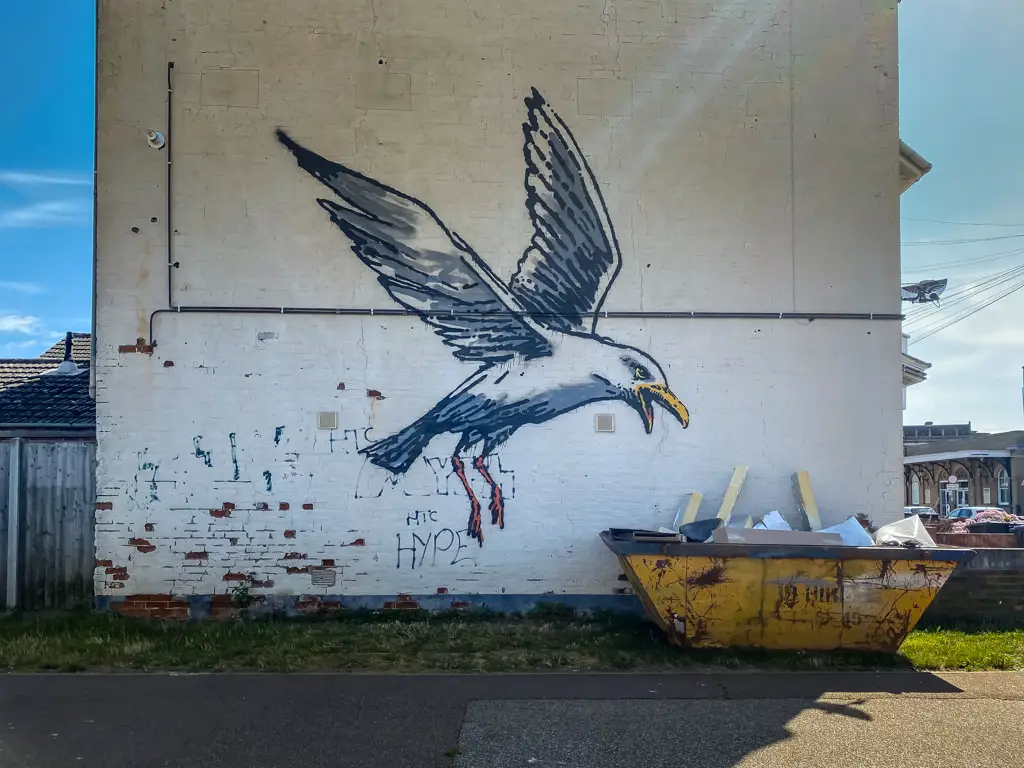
x=547 y=721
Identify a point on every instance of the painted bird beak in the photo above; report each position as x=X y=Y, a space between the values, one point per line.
x=648 y=394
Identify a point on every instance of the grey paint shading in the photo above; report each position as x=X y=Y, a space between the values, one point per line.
x=534 y=339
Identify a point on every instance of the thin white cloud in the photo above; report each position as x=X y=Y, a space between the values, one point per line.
x=49 y=213
x=26 y=324
x=27 y=348
x=15 y=286
x=30 y=179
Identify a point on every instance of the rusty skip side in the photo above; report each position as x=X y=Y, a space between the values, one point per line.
x=815 y=598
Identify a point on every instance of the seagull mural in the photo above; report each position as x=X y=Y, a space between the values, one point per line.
x=534 y=339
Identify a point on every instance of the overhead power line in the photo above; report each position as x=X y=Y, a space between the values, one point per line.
x=927 y=314
x=965 y=262
x=961 y=241
x=964 y=223
x=968 y=313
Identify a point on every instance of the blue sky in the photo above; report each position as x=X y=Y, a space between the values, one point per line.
x=47 y=50
x=960 y=108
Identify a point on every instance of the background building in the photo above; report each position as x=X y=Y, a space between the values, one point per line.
x=749 y=162
x=988 y=468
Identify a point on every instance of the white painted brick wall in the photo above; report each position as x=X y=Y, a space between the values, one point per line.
x=748 y=154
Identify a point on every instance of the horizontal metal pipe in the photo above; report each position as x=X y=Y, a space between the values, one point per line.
x=638 y=315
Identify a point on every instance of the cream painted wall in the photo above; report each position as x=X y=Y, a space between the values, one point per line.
x=748 y=155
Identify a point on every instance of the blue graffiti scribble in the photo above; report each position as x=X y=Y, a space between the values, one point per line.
x=234 y=453
x=200 y=453
x=150 y=466
x=270 y=480
x=277 y=435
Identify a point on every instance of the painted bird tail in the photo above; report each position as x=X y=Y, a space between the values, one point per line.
x=398 y=452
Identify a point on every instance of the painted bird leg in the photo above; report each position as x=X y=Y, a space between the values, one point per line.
x=475 y=528
x=497 y=506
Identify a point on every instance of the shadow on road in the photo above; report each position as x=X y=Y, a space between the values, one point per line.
x=254 y=721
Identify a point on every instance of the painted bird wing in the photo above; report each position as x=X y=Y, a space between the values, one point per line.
x=424 y=266
x=573 y=257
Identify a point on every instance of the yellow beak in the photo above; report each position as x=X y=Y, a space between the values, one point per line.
x=648 y=394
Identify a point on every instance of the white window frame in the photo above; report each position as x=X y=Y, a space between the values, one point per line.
x=986 y=495
x=1003 y=480
x=915 y=490
x=928 y=496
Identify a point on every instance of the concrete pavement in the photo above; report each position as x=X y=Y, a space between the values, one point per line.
x=471 y=721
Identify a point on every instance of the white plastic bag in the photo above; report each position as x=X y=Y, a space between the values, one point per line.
x=773 y=521
x=909 y=531
x=852 y=533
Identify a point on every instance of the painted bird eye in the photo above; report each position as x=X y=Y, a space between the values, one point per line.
x=641 y=373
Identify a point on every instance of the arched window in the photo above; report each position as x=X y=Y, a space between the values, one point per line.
x=915 y=490
x=1003 y=478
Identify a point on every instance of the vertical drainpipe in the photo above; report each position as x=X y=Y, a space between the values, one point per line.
x=13 y=522
x=95 y=201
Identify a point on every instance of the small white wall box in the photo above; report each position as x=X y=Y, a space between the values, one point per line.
x=327 y=420
x=604 y=422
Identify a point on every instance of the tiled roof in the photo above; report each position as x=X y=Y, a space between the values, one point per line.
x=30 y=398
x=81 y=349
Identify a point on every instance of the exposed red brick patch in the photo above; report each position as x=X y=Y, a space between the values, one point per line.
x=263 y=506
x=104 y=505
x=341 y=386
x=266 y=584
x=118 y=574
x=293 y=556
x=143 y=545
x=220 y=513
x=152 y=607
x=284 y=506
x=231 y=576
x=307 y=506
x=140 y=346
x=327 y=563
x=289 y=534
x=197 y=556
x=168 y=363
x=356 y=543
x=308 y=604
x=442 y=590
x=401 y=603
x=104 y=563
x=292 y=570
x=312 y=604
x=149 y=527
x=459 y=605
x=228 y=506
x=374 y=393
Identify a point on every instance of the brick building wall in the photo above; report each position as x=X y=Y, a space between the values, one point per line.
x=987 y=591
x=748 y=160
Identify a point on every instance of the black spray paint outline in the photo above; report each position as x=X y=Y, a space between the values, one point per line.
x=529 y=335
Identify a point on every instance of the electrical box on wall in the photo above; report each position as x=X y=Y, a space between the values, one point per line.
x=327 y=420
x=604 y=422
